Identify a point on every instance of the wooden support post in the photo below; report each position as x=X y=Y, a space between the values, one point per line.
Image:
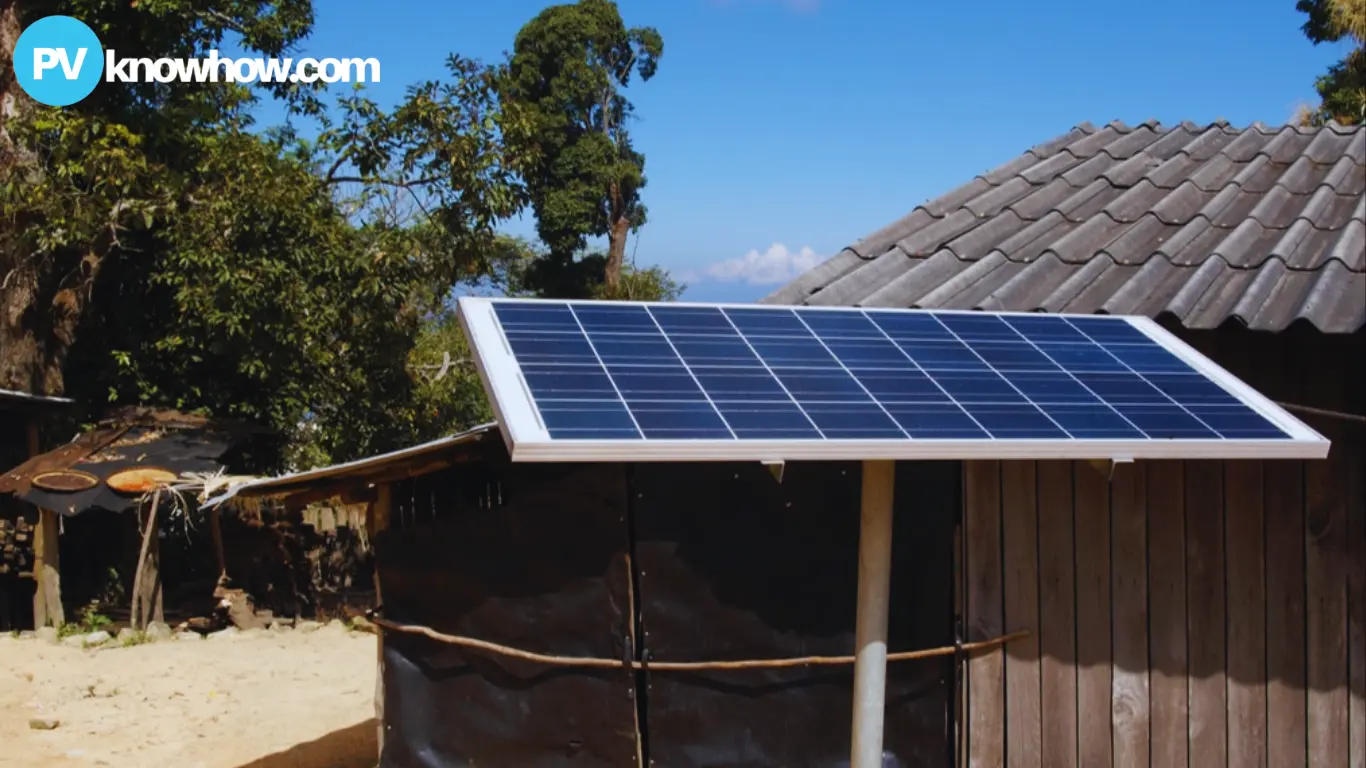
x=47 y=598
x=216 y=531
x=376 y=520
x=874 y=587
x=146 y=606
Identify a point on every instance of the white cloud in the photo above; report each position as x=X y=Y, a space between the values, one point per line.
x=778 y=264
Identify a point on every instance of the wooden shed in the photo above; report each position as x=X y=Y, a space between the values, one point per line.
x=1185 y=613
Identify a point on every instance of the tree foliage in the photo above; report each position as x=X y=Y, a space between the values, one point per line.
x=565 y=79
x=1342 y=89
x=157 y=248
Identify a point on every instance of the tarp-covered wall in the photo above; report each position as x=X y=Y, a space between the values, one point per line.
x=530 y=556
x=734 y=565
x=708 y=562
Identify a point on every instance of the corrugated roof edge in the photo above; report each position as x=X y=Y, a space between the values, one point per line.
x=272 y=485
x=27 y=397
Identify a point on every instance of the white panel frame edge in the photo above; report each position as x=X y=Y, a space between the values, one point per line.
x=528 y=439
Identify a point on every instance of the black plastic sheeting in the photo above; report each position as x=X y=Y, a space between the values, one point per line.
x=534 y=557
x=728 y=564
x=177 y=450
x=735 y=565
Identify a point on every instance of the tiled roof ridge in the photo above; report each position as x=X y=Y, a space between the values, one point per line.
x=1096 y=216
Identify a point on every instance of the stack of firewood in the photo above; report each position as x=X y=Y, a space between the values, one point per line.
x=16 y=547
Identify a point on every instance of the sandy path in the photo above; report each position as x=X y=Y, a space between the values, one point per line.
x=271 y=700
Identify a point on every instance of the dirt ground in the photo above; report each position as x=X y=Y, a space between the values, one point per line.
x=292 y=699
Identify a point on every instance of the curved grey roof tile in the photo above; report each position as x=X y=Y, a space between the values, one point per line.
x=1265 y=225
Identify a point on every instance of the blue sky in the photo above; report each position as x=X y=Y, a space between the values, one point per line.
x=778 y=131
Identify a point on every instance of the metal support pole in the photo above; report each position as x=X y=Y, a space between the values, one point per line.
x=874 y=586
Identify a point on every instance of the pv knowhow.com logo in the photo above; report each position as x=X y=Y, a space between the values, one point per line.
x=59 y=60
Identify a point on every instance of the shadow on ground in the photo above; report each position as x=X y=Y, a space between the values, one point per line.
x=354 y=747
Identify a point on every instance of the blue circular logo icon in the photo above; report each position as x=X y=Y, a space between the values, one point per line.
x=58 y=60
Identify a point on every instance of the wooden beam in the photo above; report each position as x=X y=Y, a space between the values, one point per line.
x=985 y=613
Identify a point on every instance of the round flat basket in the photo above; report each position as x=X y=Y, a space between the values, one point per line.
x=65 y=481
x=140 y=479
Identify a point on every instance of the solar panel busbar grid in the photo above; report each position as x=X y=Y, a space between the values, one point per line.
x=858 y=383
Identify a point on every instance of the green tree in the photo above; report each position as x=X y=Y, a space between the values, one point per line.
x=1342 y=89
x=155 y=249
x=565 y=80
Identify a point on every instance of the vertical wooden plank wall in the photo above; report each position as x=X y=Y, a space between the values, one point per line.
x=1184 y=613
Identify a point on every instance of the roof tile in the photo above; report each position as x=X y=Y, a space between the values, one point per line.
x=1263 y=225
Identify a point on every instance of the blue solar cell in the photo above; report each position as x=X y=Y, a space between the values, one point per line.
x=658 y=372
x=1235 y=421
x=936 y=422
x=979 y=387
x=1016 y=422
x=740 y=384
x=768 y=420
x=679 y=421
x=608 y=318
x=1166 y=422
x=791 y=351
x=692 y=321
x=945 y=355
x=655 y=383
x=533 y=347
x=1092 y=422
x=1021 y=356
x=1088 y=357
x=759 y=322
x=869 y=353
x=901 y=387
x=833 y=385
x=1042 y=328
x=610 y=418
x=853 y=421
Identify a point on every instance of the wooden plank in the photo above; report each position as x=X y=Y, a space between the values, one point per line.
x=1245 y=596
x=1285 y=665
x=1205 y=613
x=1057 y=615
x=1326 y=609
x=1092 y=521
x=1019 y=524
x=986 y=683
x=1167 y=612
x=1356 y=598
x=1129 y=615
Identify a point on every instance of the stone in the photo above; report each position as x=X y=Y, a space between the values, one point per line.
x=97 y=638
x=336 y=624
x=158 y=631
x=47 y=634
x=225 y=634
x=308 y=626
x=74 y=641
x=44 y=723
x=128 y=636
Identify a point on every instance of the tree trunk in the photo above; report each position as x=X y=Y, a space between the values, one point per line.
x=616 y=242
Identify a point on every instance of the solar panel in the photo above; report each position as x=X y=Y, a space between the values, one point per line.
x=623 y=381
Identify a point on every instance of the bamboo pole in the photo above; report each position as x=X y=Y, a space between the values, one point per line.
x=874 y=586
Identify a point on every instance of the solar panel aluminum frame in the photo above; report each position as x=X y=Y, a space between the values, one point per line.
x=528 y=440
